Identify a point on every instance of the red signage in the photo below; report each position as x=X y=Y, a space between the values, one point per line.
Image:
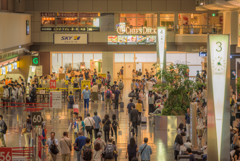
x=39 y=147
x=67 y=14
x=53 y=84
x=48 y=14
x=50 y=100
x=5 y=154
x=88 y=14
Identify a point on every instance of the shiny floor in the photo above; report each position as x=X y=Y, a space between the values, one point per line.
x=160 y=141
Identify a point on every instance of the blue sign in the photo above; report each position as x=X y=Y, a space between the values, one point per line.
x=202 y=54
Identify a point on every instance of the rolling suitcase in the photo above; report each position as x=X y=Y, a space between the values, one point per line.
x=143 y=120
x=121 y=104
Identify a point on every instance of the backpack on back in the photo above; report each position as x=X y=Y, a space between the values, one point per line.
x=87 y=153
x=4 y=128
x=33 y=92
x=120 y=85
x=109 y=152
x=108 y=94
x=114 y=123
x=71 y=101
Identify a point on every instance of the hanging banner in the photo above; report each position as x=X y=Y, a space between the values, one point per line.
x=161 y=47
x=218 y=97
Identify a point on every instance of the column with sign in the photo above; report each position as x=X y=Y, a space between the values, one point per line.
x=161 y=47
x=218 y=92
x=36 y=118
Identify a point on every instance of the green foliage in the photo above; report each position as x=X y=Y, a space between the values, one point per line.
x=179 y=88
x=238 y=85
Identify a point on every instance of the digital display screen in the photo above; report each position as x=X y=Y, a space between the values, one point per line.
x=141 y=39
x=27 y=27
x=202 y=54
x=233 y=74
x=132 y=39
x=112 y=39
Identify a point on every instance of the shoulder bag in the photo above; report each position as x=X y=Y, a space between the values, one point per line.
x=24 y=130
x=70 y=147
x=91 y=123
x=143 y=149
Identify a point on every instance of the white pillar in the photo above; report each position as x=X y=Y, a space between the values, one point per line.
x=230 y=26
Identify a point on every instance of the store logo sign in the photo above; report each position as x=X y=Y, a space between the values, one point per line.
x=35 y=60
x=70 y=39
x=141 y=30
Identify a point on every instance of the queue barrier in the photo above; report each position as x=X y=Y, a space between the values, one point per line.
x=23 y=151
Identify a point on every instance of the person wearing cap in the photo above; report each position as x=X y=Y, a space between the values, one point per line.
x=86 y=93
x=80 y=142
x=99 y=140
x=235 y=138
x=98 y=124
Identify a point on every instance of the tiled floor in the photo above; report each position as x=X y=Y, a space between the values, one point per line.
x=160 y=141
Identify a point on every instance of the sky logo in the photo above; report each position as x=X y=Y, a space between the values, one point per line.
x=70 y=37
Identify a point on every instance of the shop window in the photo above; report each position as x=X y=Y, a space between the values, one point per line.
x=193 y=59
x=56 y=61
x=167 y=20
x=119 y=57
x=97 y=56
x=129 y=57
x=67 y=61
x=87 y=58
x=67 y=21
x=77 y=58
x=48 y=21
x=138 y=20
x=148 y=57
x=174 y=58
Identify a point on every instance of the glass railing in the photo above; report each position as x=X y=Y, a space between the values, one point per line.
x=199 y=29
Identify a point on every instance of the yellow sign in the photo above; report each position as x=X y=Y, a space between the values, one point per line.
x=70 y=88
x=85 y=83
x=103 y=75
x=6 y=69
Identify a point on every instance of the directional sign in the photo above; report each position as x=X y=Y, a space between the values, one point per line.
x=5 y=154
x=36 y=118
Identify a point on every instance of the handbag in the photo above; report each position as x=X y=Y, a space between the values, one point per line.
x=24 y=130
x=131 y=94
x=176 y=146
x=76 y=147
x=91 y=124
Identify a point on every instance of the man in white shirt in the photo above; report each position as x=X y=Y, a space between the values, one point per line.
x=89 y=125
x=19 y=93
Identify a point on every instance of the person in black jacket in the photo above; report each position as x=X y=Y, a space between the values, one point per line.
x=179 y=141
x=134 y=119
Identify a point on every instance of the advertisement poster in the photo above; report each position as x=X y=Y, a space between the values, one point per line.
x=112 y=39
x=141 y=39
x=103 y=75
x=132 y=39
x=9 y=67
x=95 y=22
x=233 y=74
x=151 y=39
x=55 y=99
x=85 y=83
x=122 y=40
x=3 y=70
x=70 y=39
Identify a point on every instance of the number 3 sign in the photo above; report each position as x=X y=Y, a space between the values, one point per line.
x=53 y=84
x=5 y=154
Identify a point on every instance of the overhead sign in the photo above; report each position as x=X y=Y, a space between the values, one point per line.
x=70 y=39
x=35 y=60
x=53 y=84
x=132 y=39
x=85 y=83
x=161 y=47
x=55 y=99
x=36 y=118
x=6 y=154
x=202 y=54
x=218 y=97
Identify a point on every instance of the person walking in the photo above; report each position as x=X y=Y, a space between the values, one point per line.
x=98 y=124
x=134 y=120
x=71 y=102
x=108 y=94
x=108 y=78
x=100 y=141
x=80 y=142
x=102 y=90
x=117 y=94
x=178 y=141
x=2 y=130
x=145 y=151
x=121 y=86
x=121 y=73
x=115 y=126
x=66 y=147
x=52 y=140
x=151 y=103
x=132 y=149
x=44 y=135
x=187 y=122
x=86 y=93
x=87 y=151
x=27 y=129
x=110 y=150
x=97 y=152
x=139 y=107
x=129 y=107
x=89 y=124
x=106 y=126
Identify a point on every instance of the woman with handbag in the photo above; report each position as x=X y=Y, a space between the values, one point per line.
x=106 y=127
x=27 y=129
x=178 y=141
